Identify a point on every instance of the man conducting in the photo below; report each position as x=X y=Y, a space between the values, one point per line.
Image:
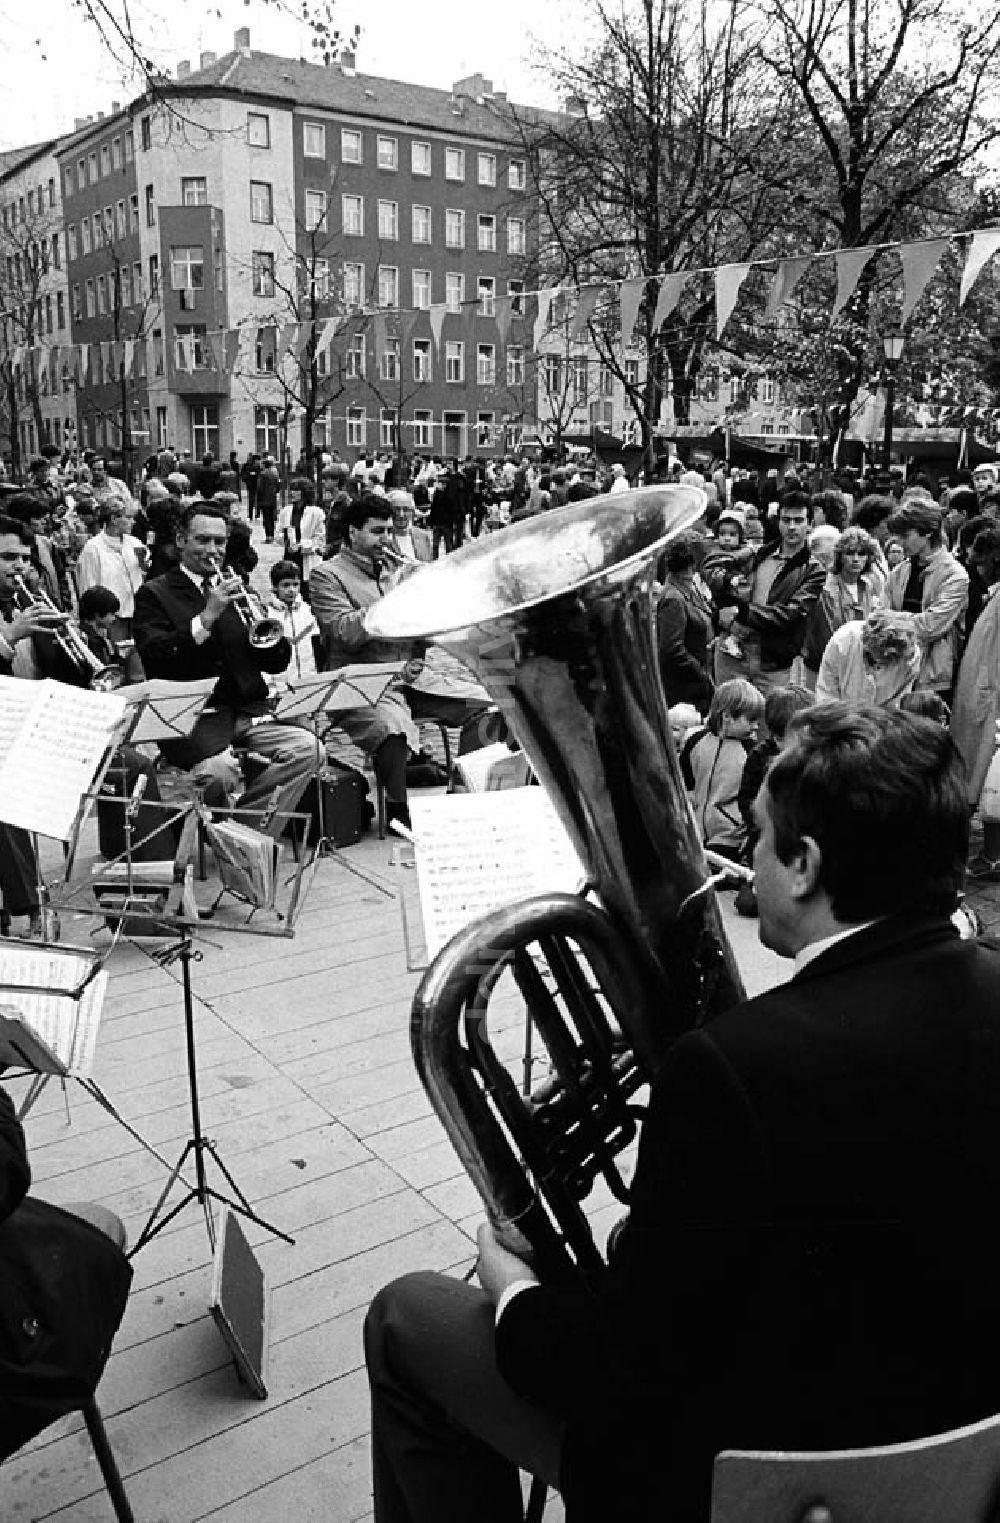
x=811 y=1247
x=186 y=628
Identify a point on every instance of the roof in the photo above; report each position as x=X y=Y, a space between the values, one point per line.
x=304 y=84
x=12 y=159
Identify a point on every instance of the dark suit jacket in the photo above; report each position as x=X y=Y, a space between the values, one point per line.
x=164 y=609
x=811 y=1257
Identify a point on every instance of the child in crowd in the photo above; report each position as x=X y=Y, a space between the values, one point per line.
x=712 y=763
x=729 y=558
x=297 y=618
x=684 y=718
x=99 y=608
x=780 y=706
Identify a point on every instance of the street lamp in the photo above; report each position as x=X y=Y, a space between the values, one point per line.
x=892 y=343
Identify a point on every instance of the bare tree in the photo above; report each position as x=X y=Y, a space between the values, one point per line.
x=26 y=318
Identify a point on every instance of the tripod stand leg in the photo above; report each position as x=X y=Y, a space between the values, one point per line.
x=240 y=1204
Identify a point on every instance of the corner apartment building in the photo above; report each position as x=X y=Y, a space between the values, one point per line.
x=36 y=387
x=267 y=245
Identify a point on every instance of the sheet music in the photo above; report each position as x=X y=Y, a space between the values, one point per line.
x=169 y=709
x=350 y=687
x=478 y=851
x=16 y=699
x=54 y=756
x=65 y=1023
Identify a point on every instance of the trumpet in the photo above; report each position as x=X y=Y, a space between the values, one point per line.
x=263 y=629
x=401 y=566
x=101 y=678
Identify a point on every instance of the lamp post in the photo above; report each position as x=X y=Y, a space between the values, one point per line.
x=892 y=343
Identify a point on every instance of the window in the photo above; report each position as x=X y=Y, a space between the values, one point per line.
x=487 y=163
x=187 y=268
x=515 y=365
x=265 y=429
x=154 y=276
x=486 y=364
x=515 y=235
x=129 y=147
x=67 y=188
x=355 y=357
x=484 y=429
x=421 y=289
x=388 y=285
x=48 y=314
x=388 y=153
x=579 y=378
x=261 y=201
x=116 y=153
x=765 y=390
x=264 y=350
x=316 y=205
x=91 y=300
x=357 y=427
x=454 y=163
x=454 y=361
x=388 y=219
x=515 y=290
x=262 y=273
x=354 y=284
x=71 y=246
x=137 y=282
x=423 y=428
x=150 y=206
x=60 y=309
x=109 y=226
x=353 y=215
x=516 y=174
x=146 y=134
x=194 y=190
x=85 y=234
x=189 y=348
x=420 y=224
x=93 y=174
x=421 y=359
x=454 y=229
x=314 y=140
x=121 y=220
x=486 y=288
x=454 y=291
x=125 y=284
x=133 y=213
x=420 y=158
x=605 y=381
x=487 y=239
x=601 y=415
x=75 y=304
x=387 y=429
x=553 y=374
x=389 y=361
x=350 y=146
x=319 y=281
x=258 y=129
x=105 y=159
x=631 y=369
x=81 y=173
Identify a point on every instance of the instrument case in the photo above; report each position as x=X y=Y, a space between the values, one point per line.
x=347 y=811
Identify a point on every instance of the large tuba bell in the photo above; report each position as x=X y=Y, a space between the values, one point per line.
x=555 y=617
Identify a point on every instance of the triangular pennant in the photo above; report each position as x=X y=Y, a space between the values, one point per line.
x=306 y=332
x=850 y=263
x=437 y=312
x=728 y=279
x=630 y=298
x=919 y=261
x=216 y=343
x=981 y=250
x=409 y=323
x=786 y=278
x=668 y=296
x=544 y=307
x=379 y=331
x=586 y=302
x=286 y=337
x=326 y=337
x=232 y=345
x=504 y=307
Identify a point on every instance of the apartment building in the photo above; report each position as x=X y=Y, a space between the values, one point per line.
x=269 y=249
x=36 y=386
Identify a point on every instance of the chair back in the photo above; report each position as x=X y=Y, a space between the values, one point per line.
x=949 y=1478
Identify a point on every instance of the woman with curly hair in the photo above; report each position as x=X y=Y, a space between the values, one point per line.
x=849 y=594
x=874 y=660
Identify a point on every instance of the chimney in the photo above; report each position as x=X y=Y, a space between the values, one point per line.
x=116 y=106
x=100 y=116
x=241 y=40
x=207 y=59
x=500 y=95
x=476 y=85
x=184 y=68
x=79 y=122
x=347 y=62
x=575 y=105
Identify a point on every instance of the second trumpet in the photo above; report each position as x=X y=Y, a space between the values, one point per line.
x=263 y=629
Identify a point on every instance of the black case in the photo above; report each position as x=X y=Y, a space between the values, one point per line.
x=119 y=781
x=347 y=812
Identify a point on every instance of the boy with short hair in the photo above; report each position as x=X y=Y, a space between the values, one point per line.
x=297 y=619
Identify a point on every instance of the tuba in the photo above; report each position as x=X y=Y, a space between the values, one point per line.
x=555 y=616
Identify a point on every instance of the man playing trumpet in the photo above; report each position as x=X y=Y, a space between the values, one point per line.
x=188 y=626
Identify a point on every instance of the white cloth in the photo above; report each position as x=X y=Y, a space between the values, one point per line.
x=112 y=563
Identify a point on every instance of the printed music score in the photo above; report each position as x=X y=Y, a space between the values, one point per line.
x=477 y=851
x=51 y=1002
x=53 y=738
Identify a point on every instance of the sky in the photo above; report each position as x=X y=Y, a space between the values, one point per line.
x=55 y=67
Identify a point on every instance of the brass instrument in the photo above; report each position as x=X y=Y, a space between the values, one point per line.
x=263 y=629
x=101 y=678
x=555 y=618
x=402 y=566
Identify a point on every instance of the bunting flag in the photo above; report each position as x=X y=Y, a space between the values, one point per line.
x=728 y=279
x=409 y=323
x=850 y=263
x=544 y=307
x=504 y=309
x=326 y=336
x=668 y=296
x=217 y=349
x=630 y=298
x=306 y=332
x=437 y=312
x=232 y=343
x=379 y=331
x=586 y=302
x=286 y=337
x=129 y=356
x=786 y=278
x=919 y=261
x=981 y=250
